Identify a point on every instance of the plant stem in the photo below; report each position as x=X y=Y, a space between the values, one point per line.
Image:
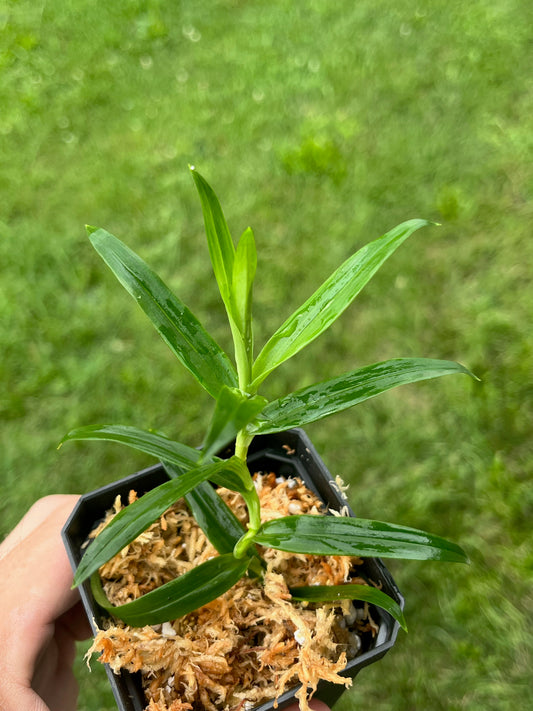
x=251 y=498
x=242 y=545
x=242 y=444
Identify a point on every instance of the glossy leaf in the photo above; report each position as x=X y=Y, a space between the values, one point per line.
x=350 y=591
x=330 y=300
x=144 y=440
x=178 y=327
x=233 y=474
x=233 y=412
x=317 y=401
x=221 y=248
x=339 y=535
x=134 y=519
x=244 y=268
x=180 y=596
x=222 y=528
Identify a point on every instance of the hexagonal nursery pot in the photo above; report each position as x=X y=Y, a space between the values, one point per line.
x=287 y=454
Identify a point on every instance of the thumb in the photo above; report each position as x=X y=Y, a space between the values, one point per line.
x=16 y=695
x=314 y=705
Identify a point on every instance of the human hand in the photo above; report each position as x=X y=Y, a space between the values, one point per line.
x=41 y=618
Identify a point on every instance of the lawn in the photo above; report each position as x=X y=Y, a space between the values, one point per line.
x=321 y=125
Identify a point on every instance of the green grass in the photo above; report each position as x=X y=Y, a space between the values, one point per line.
x=322 y=125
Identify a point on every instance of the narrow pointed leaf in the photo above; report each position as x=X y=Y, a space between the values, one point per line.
x=134 y=519
x=330 y=300
x=244 y=268
x=178 y=327
x=222 y=528
x=143 y=440
x=233 y=411
x=350 y=591
x=233 y=474
x=178 y=597
x=337 y=535
x=221 y=248
x=240 y=318
x=322 y=399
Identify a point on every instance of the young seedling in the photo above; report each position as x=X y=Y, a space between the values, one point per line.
x=240 y=413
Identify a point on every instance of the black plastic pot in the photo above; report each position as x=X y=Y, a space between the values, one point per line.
x=286 y=454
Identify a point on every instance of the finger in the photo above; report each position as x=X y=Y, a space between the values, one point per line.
x=75 y=622
x=318 y=705
x=39 y=590
x=314 y=704
x=15 y=697
x=37 y=563
x=38 y=513
x=54 y=680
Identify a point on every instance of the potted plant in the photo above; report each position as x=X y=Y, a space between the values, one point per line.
x=220 y=590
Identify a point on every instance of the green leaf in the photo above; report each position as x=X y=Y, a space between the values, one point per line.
x=234 y=271
x=350 y=591
x=244 y=268
x=132 y=520
x=222 y=528
x=178 y=597
x=240 y=317
x=233 y=412
x=178 y=327
x=339 y=535
x=233 y=473
x=330 y=300
x=221 y=248
x=144 y=440
x=235 y=476
x=322 y=399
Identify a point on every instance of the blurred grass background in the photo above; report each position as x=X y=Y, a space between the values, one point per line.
x=321 y=125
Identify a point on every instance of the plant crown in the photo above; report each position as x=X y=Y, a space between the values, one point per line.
x=239 y=414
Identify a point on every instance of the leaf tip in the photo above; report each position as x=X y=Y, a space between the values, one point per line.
x=474 y=376
x=466 y=558
x=64 y=439
x=467 y=371
x=77 y=580
x=90 y=229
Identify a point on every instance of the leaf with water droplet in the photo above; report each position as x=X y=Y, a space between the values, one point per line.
x=338 y=535
x=178 y=327
x=330 y=300
x=323 y=399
